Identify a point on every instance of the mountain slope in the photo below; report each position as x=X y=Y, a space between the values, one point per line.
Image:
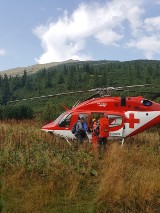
x=34 y=68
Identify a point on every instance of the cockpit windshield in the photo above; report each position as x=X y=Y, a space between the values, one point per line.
x=59 y=117
x=65 y=120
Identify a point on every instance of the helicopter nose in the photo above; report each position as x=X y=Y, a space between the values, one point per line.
x=48 y=127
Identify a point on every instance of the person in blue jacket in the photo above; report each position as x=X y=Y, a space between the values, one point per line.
x=80 y=133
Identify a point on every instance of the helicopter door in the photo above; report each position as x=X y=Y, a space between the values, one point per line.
x=116 y=125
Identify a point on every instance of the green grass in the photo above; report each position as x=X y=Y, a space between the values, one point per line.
x=43 y=173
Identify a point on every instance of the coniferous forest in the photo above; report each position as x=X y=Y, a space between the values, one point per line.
x=73 y=77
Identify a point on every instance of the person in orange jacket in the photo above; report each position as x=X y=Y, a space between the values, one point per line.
x=102 y=130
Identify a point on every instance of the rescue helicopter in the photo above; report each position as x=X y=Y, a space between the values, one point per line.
x=127 y=116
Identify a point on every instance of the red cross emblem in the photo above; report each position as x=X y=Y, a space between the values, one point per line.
x=132 y=120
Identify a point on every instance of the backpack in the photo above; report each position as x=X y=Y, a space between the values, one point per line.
x=73 y=130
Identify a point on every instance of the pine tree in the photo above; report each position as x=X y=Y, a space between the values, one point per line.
x=48 y=81
x=1 y=81
x=16 y=83
x=5 y=90
x=61 y=79
x=24 y=78
x=29 y=84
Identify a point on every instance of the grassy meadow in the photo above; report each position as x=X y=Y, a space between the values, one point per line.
x=43 y=173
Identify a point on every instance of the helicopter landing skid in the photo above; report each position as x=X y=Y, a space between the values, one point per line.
x=122 y=142
x=68 y=141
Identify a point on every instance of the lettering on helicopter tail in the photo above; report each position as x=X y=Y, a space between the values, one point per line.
x=102 y=104
x=115 y=134
x=132 y=120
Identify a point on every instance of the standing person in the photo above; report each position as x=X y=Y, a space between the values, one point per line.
x=103 y=131
x=94 y=134
x=85 y=126
x=80 y=133
x=86 y=129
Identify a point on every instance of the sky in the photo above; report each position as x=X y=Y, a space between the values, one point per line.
x=44 y=31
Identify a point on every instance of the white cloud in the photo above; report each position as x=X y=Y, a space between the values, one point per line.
x=149 y=40
x=2 y=52
x=152 y=24
x=158 y=1
x=134 y=17
x=105 y=23
x=108 y=37
x=150 y=45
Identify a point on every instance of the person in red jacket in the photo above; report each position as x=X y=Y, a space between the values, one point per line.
x=94 y=135
x=103 y=133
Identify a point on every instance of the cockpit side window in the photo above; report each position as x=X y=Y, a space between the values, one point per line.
x=147 y=103
x=115 y=120
x=65 y=121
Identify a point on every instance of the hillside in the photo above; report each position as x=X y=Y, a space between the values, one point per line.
x=79 y=76
x=34 y=68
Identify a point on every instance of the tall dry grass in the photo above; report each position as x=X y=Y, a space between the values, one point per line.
x=130 y=178
x=42 y=173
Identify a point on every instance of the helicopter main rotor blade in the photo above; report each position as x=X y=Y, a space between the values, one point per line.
x=54 y=95
x=133 y=86
x=100 y=91
x=92 y=96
